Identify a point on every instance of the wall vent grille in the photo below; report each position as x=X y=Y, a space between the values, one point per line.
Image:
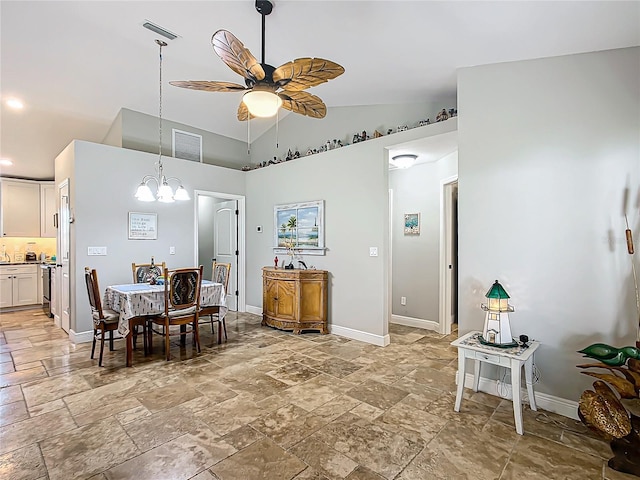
x=187 y=146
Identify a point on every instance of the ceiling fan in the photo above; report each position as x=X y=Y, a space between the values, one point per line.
x=268 y=88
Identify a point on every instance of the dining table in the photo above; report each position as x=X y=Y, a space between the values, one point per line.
x=136 y=302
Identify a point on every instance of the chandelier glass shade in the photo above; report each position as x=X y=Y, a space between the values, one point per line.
x=262 y=103
x=163 y=191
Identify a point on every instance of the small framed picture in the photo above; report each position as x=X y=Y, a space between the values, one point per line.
x=412 y=224
x=143 y=226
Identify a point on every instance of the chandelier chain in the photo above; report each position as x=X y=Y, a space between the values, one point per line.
x=162 y=44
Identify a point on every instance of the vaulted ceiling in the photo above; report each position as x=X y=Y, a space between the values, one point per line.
x=74 y=64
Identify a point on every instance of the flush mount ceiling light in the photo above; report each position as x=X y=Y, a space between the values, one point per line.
x=405 y=160
x=5 y=162
x=164 y=192
x=268 y=88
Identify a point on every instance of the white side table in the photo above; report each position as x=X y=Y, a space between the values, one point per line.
x=514 y=358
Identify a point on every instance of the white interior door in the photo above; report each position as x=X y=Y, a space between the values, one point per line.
x=225 y=231
x=63 y=280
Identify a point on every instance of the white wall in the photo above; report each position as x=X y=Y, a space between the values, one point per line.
x=301 y=132
x=353 y=182
x=546 y=150
x=416 y=258
x=103 y=183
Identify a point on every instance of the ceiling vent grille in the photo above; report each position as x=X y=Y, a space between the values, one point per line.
x=187 y=146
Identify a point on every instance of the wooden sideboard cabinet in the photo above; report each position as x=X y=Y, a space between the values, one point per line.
x=294 y=299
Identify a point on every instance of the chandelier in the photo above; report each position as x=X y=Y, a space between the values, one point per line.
x=164 y=192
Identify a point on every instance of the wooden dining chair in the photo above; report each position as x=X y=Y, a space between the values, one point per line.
x=141 y=271
x=104 y=320
x=181 y=306
x=219 y=274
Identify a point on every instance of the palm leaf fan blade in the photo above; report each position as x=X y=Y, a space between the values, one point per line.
x=237 y=57
x=209 y=86
x=303 y=73
x=243 y=112
x=303 y=103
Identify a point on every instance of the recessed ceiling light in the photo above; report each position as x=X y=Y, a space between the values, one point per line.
x=5 y=162
x=15 y=104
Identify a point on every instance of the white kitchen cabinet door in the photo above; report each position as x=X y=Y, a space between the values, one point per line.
x=6 y=290
x=47 y=210
x=25 y=289
x=20 y=208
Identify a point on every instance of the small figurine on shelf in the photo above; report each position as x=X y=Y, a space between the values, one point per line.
x=327 y=146
x=275 y=261
x=422 y=123
x=363 y=136
x=376 y=134
x=451 y=112
x=356 y=138
x=296 y=154
x=442 y=116
x=402 y=128
x=339 y=143
x=390 y=131
x=289 y=155
x=309 y=151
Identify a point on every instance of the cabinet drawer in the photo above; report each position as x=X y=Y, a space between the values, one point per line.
x=488 y=357
x=18 y=269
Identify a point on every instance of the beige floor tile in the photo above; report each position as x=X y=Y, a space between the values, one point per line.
x=262 y=460
x=181 y=458
x=25 y=463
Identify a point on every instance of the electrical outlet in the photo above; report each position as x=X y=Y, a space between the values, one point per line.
x=373 y=251
x=403 y=300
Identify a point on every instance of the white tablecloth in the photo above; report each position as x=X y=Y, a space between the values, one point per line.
x=140 y=299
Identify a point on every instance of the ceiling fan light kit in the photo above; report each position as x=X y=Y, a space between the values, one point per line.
x=268 y=88
x=262 y=103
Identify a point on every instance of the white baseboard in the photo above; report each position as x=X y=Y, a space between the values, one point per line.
x=561 y=406
x=80 y=337
x=416 y=322
x=254 y=310
x=380 y=340
x=56 y=321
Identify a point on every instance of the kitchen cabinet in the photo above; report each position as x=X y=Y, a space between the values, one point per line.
x=20 y=213
x=47 y=209
x=294 y=299
x=18 y=285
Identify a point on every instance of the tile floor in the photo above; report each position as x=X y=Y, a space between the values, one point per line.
x=267 y=405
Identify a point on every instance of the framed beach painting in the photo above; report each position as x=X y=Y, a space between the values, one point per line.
x=299 y=227
x=412 y=224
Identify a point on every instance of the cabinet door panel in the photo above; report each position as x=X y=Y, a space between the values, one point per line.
x=287 y=303
x=25 y=289
x=6 y=289
x=311 y=306
x=270 y=296
x=20 y=209
x=47 y=210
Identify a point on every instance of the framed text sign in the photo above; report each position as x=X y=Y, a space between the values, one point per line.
x=143 y=226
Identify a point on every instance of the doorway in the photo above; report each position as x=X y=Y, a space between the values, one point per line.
x=220 y=237
x=449 y=255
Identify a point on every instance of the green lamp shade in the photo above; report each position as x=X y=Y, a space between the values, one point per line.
x=497 y=291
x=498 y=298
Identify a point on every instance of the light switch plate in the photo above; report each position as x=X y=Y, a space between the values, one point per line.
x=373 y=251
x=96 y=250
x=172 y=250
